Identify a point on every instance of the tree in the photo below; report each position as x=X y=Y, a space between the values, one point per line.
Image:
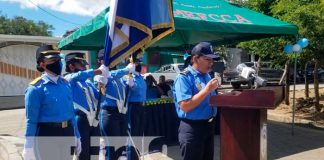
x=21 y=26
x=307 y=15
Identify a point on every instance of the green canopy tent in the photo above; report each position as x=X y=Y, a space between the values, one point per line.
x=216 y=21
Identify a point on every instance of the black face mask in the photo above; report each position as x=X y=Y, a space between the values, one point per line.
x=138 y=68
x=55 y=67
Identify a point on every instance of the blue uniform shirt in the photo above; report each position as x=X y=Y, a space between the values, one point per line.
x=114 y=85
x=152 y=92
x=47 y=101
x=79 y=95
x=138 y=91
x=188 y=84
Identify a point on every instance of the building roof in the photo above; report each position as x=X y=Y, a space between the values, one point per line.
x=7 y=40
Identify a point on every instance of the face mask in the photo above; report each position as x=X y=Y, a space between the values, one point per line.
x=138 y=68
x=55 y=67
x=79 y=69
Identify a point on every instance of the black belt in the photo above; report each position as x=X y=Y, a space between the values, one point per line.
x=63 y=124
x=136 y=103
x=80 y=113
x=200 y=121
x=110 y=108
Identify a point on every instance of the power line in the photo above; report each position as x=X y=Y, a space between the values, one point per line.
x=59 y=18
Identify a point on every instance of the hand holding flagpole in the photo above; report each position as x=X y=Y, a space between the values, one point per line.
x=109 y=38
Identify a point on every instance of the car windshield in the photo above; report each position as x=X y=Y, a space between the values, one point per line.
x=249 y=64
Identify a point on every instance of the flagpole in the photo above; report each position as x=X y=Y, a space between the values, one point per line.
x=294 y=100
x=110 y=31
x=107 y=49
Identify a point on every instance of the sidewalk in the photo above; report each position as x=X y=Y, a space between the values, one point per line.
x=12 y=129
x=306 y=143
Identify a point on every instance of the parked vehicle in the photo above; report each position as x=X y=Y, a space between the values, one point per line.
x=170 y=71
x=300 y=76
x=271 y=75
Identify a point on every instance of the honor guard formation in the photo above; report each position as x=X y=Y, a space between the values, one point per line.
x=68 y=114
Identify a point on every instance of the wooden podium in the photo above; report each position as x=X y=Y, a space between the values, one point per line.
x=243 y=121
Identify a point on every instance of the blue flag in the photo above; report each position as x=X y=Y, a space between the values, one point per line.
x=134 y=25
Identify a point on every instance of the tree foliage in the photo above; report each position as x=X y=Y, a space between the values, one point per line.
x=21 y=26
x=308 y=15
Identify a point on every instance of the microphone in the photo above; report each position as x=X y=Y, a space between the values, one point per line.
x=250 y=73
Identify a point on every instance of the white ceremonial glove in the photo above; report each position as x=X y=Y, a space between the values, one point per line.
x=131 y=67
x=78 y=146
x=130 y=82
x=28 y=154
x=103 y=80
x=104 y=70
x=102 y=151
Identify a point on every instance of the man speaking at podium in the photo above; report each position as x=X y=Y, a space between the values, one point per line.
x=192 y=90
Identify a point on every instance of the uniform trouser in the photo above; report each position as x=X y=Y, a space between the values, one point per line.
x=88 y=134
x=137 y=123
x=137 y=116
x=196 y=139
x=113 y=127
x=54 y=142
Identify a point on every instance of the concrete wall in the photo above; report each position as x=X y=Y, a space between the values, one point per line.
x=17 y=69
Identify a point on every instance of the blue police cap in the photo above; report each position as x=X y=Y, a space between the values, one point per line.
x=76 y=57
x=204 y=49
x=47 y=51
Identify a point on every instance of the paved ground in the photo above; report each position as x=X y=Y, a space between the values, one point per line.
x=305 y=144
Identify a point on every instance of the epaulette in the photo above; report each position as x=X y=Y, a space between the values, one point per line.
x=34 y=82
x=185 y=72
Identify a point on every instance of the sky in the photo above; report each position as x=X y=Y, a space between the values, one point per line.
x=63 y=15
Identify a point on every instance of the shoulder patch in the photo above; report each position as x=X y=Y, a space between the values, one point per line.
x=185 y=72
x=32 y=83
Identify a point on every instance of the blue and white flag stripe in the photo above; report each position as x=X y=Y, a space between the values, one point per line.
x=131 y=27
x=111 y=30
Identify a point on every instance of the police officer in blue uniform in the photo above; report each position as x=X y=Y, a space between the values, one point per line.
x=85 y=101
x=49 y=111
x=113 y=120
x=136 y=99
x=192 y=90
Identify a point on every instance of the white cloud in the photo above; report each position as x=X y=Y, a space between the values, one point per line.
x=78 y=7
